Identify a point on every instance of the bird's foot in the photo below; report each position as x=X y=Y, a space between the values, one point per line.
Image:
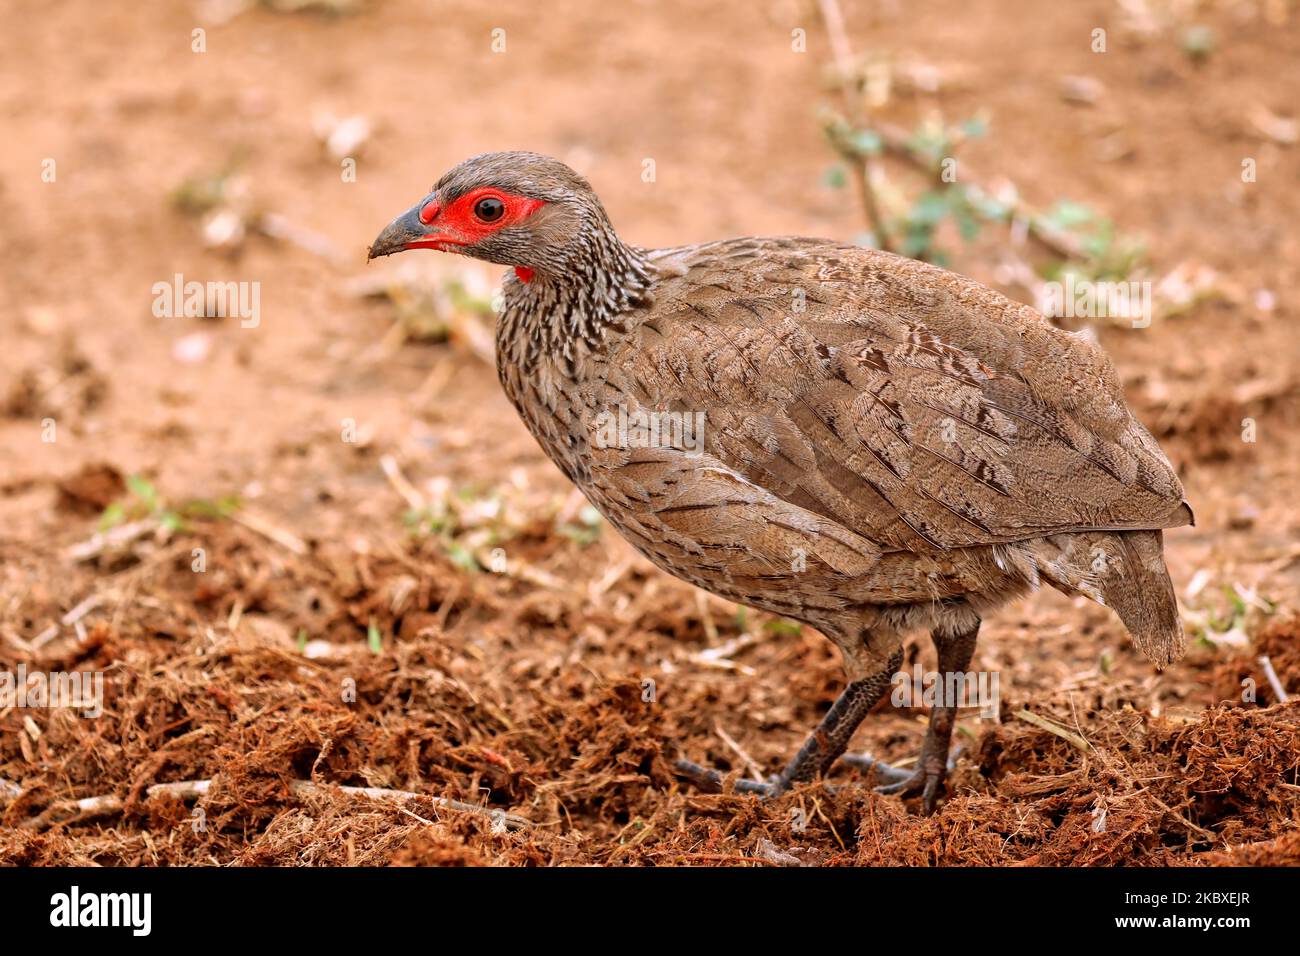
x=714 y=781
x=926 y=780
x=887 y=774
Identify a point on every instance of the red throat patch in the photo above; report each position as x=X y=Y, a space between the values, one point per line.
x=525 y=273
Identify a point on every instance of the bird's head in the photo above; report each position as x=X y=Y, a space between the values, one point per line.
x=515 y=209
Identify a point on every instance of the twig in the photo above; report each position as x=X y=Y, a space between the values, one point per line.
x=525 y=572
x=106 y=805
x=817 y=806
x=91 y=808
x=611 y=577
x=102 y=541
x=864 y=165
x=720 y=656
x=1273 y=681
x=1058 y=241
x=393 y=472
x=16 y=641
x=754 y=770
x=415 y=816
x=510 y=820
x=706 y=619
x=1054 y=728
x=269 y=531
x=87 y=605
x=642 y=835
x=1208 y=834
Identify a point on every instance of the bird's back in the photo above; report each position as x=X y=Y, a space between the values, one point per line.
x=916 y=406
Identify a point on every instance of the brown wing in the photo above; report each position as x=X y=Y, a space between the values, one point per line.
x=908 y=404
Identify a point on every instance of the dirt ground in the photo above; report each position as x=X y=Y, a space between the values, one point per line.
x=324 y=549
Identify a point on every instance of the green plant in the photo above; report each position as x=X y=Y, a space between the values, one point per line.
x=1080 y=239
x=1106 y=253
x=143 y=502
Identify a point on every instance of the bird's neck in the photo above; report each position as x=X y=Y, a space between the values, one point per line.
x=565 y=312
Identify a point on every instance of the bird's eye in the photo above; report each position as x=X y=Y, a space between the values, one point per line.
x=489 y=209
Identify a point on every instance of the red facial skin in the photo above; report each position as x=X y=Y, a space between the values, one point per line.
x=458 y=226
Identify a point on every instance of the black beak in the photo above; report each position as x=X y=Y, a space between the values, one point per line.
x=399 y=234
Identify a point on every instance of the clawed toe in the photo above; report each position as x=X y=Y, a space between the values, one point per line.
x=883 y=771
x=926 y=780
x=714 y=781
x=909 y=786
x=896 y=782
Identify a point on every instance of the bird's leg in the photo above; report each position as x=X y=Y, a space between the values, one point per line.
x=821 y=749
x=955 y=648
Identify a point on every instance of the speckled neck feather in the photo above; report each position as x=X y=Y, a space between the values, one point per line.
x=574 y=304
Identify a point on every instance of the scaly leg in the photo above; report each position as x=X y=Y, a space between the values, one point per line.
x=955 y=650
x=821 y=749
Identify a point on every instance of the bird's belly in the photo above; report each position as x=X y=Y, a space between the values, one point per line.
x=704 y=525
x=800 y=578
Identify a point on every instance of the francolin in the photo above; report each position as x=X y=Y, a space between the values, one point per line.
x=885 y=445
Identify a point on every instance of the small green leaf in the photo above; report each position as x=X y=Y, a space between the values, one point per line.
x=142 y=489
x=867 y=141
x=967 y=224
x=373 y=638
x=204 y=508
x=460 y=556
x=991 y=209
x=1198 y=42
x=929 y=209
x=113 y=516
x=1067 y=214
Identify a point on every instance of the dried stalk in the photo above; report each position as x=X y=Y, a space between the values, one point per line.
x=107 y=805
x=864 y=165
x=1054 y=728
x=270 y=531
x=1273 y=680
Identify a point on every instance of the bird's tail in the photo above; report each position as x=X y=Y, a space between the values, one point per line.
x=1125 y=571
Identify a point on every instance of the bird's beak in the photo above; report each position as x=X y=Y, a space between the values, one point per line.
x=407 y=232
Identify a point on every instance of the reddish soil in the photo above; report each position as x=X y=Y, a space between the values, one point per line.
x=333 y=639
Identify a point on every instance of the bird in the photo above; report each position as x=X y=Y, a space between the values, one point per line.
x=857 y=441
